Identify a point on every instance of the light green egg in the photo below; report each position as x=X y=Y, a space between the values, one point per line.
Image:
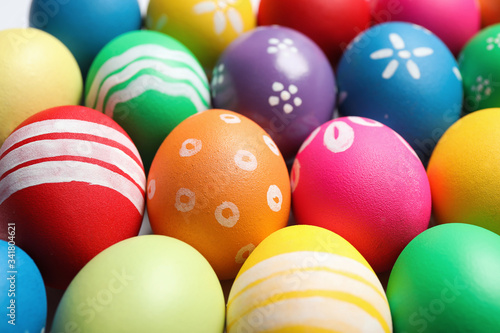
x=148 y=82
x=143 y=284
x=447 y=280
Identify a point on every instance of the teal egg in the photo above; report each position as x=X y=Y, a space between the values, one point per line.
x=447 y=280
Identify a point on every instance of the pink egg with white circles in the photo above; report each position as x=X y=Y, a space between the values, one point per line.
x=362 y=180
x=453 y=21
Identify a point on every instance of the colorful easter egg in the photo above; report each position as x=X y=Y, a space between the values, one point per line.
x=453 y=21
x=38 y=72
x=280 y=79
x=143 y=284
x=307 y=279
x=360 y=179
x=464 y=172
x=404 y=77
x=206 y=27
x=446 y=280
x=85 y=26
x=220 y=184
x=331 y=24
x=490 y=12
x=23 y=299
x=479 y=66
x=148 y=83
x=73 y=183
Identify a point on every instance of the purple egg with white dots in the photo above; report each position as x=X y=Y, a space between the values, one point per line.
x=279 y=78
x=405 y=77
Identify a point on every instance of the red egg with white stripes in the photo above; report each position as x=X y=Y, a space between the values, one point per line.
x=72 y=183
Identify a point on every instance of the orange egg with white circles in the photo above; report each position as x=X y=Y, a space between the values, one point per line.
x=219 y=183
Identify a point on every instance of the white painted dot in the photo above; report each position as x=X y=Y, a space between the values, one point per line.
x=341 y=142
x=297 y=101
x=288 y=41
x=274 y=41
x=285 y=95
x=230 y=221
x=190 y=147
x=282 y=46
x=243 y=253
x=365 y=121
x=274 y=198
x=274 y=100
x=230 y=118
x=309 y=139
x=293 y=89
x=272 y=49
x=245 y=160
x=278 y=86
x=287 y=108
x=270 y=143
x=185 y=206
x=295 y=174
x=151 y=189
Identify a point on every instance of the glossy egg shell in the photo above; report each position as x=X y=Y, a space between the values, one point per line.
x=464 y=172
x=38 y=72
x=279 y=78
x=85 y=26
x=219 y=183
x=73 y=182
x=22 y=297
x=403 y=76
x=148 y=83
x=175 y=286
x=361 y=180
x=446 y=279
x=307 y=279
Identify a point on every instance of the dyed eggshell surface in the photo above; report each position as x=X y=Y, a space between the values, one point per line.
x=279 y=78
x=307 y=279
x=446 y=280
x=85 y=26
x=148 y=83
x=464 y=172
x=361 y=180
x=206 y=27
x=144 y=284
x=219 y=183
x=490 y=12
x=73 y=183
x=479 y=66
x=453 y=21
x=38 y=72
x=403 y=76
x=331 y=24
x=23 y=299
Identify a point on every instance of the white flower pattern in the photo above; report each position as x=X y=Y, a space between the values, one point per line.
x=482 y=89
x=400 y=52
x=276 y=45
x=492 y=42
x=223 y=11
x=285 y=96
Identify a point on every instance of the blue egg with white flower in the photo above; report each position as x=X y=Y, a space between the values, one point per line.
x=406 y=78
x=22 y=293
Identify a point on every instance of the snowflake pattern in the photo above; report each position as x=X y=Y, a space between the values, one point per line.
x=482 y=89
x=492 y=42
x=276 y=45
x=399 y=52
x=223 y=11
x=285 y=95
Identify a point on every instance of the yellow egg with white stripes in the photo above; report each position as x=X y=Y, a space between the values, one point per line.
x=307 y=279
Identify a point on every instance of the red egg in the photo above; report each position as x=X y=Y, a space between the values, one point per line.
x=72 y=183
x=331 y=24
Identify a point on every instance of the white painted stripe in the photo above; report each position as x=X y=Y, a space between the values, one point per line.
x=70 y=171
x=151 y=82
x=307 y=281
x=304 y=259
x=320 y=312
x=179 y=73
x=52 y=126
x=72 y=147
x=145 y=50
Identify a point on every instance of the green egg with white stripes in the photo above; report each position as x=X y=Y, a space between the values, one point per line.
x=148 y=83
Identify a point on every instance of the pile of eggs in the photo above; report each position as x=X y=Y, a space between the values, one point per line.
x=251 y=166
